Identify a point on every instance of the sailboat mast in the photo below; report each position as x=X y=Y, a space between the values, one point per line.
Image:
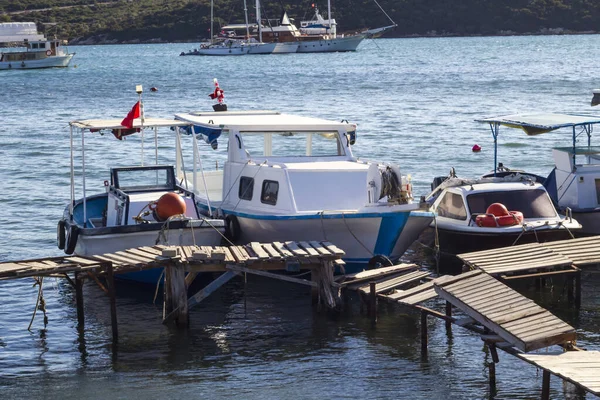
x=329 y=18
x=258 y=20
x=246 y=16
x=211 y=20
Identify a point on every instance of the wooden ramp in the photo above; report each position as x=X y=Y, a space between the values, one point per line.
x=578 y=367
x=561 y=255
x=513 y=317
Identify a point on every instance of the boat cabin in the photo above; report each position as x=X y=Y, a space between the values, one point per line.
x=466 y=202
x=278 y=163
x=34 y=50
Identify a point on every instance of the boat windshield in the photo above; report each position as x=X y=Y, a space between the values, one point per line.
x=532 y=203
x=143 y=178
x=293 y=144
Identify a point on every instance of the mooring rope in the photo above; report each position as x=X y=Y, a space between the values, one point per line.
x=40 y=303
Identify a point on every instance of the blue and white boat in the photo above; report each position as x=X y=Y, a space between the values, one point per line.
x=138 y=205
x=574 y=182
x=288 y=177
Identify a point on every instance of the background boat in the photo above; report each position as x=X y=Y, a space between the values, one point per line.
x=418 y=95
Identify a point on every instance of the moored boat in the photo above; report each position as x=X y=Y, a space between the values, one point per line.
x=574 y=182
x=141 y=205
x=491 y=212
x=32 y=50
x=288 y=177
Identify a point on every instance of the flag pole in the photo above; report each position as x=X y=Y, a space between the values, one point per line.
x=139 y=91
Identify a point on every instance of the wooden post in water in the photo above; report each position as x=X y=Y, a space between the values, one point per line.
x=423 y=332
x=492 y=366
x=448 y=314
x=373 y=302
x=79 y=300
x=578 y=289
x=110 y=280
x=176 y=294
x=546 y=385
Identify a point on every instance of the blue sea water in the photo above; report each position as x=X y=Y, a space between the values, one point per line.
x=414 y=100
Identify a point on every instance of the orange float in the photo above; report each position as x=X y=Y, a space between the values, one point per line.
x=498 y=215
x=169 y=204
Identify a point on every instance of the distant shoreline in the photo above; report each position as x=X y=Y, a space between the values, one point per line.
x=105 y=40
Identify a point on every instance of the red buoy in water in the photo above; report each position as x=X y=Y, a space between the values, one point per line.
x=169 y=204
x=476 y=148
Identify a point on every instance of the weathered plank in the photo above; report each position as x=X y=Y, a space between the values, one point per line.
x=533 y=330
x=309 y=249
x=259 y=251
x=273 y=253
x=295 y=250
x=333 y=248
x=322 y=250
x=281 y=248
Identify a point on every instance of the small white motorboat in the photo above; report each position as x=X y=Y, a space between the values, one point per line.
x=490 y=212
x=140 y=205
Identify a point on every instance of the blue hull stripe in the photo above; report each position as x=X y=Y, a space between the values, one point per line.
x=389 y=232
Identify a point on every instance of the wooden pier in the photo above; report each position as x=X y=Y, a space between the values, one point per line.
x=502 y=317
x=182 y=264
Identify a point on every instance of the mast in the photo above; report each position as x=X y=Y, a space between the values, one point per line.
x=332 y=31
x=211 y=20
x=258 y=20
x=246 y=16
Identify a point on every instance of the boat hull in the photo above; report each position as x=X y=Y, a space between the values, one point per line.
x=92 y=242
x=590 y=222
x=360 y=235
x=348 y=43
x=48 y=62
x=286 y=47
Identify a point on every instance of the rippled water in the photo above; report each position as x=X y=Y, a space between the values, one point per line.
x=414 y=101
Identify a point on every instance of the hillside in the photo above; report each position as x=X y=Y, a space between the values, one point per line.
x=183 y=20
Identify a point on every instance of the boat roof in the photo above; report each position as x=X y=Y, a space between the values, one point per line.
x=261 y=121
x=99 y=124
x=498 y=187
x=538 y=123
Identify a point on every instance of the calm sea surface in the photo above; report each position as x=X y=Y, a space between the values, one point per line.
x=414 y=101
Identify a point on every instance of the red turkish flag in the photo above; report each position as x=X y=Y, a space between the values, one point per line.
x=133 y=114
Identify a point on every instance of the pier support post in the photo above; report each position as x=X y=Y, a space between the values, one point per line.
x=578 y=289
x=492 y=366
x=546 y=385
x=423 y=332
x=449 y=315
x=176 y=294
x=373 y=302
x=110 y=280
x=79 y=300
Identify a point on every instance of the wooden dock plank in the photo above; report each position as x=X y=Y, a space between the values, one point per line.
x=281 y=249
x=388 y=283
x=273 y=253
x=81 y=260
x=239 y=253
x=378 y=272
x=142 y=255
x=419 y=297
x=260 y=252
x=334 y=249
x=309 y=249
x=10 y=268
x=520 y=332
x=322 y=250
x=295 y=250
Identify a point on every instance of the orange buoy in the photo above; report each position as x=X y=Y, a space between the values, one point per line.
x=169 y=204
x=497 y=209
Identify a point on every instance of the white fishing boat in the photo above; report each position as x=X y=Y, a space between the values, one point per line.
x=288 y=177
x=31 y=50
x=574 y=183
x=138 y=205
x=491 y=212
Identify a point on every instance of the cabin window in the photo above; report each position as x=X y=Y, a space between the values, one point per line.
x=270 y=189
x=34 y=45
x=246 y=188
x=532 y=203
x=452 y=206
x=293 y=144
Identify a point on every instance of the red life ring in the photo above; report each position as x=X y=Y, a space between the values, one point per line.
x=48 y=52
x=498 y=215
